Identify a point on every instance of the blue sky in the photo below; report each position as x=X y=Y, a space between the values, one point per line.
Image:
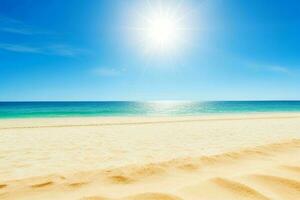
x=82 y=50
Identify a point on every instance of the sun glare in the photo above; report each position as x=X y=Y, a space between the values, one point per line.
x=161 y=31
x=161 y=28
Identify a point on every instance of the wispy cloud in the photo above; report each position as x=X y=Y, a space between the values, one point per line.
x=273 y=68
x=279 y=69
x=108 y=72
x=17 y=30
x=56 y=49
x=13 y=26
x=20 y=48
x=8 y=20
x=64 y=50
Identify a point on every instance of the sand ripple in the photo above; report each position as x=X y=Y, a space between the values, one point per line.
x=269 y=172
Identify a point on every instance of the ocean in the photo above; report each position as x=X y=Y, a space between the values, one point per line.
x=128 y=108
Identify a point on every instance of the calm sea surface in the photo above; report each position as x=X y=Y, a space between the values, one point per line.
x=163 y=108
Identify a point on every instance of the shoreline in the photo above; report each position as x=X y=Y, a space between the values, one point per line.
x=48 y=122
x=155 y=115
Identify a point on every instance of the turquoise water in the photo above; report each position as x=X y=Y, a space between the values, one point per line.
x=164 y=108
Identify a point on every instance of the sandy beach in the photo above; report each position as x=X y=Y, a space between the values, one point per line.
x=149 y=100
x=254 y=156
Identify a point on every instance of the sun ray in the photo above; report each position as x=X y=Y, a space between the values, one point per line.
x=162 y=27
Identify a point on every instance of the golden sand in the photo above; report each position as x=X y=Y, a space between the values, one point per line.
x=193 y=158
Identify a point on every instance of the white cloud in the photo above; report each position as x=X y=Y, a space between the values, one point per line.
x=279 y=69
x=108 y=72
x=13 y=26
x=64 y=50
x=20 y=48
x=56 y=49
x=273 y=68
x=17 y=30
x=10 y=25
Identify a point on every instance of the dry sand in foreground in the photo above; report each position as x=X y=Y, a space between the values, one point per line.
x=251 y=171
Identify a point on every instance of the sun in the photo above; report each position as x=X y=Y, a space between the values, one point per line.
x=161 y=28
x=161 y=31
